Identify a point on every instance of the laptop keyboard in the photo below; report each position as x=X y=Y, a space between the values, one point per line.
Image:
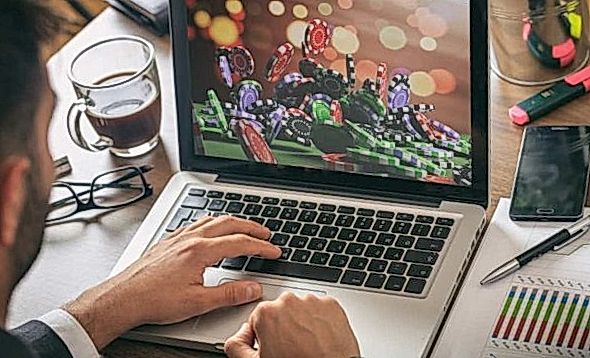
x=355 y=247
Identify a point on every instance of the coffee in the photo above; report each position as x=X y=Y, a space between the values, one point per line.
x=131 y=121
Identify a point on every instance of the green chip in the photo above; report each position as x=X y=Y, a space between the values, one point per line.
x=368 y=98
x=321 y=112
x=218 y=109
x=362 y=137
x=368 y=156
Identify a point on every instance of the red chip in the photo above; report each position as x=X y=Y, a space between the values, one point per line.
x=339 y=162
x=381 y=79
x=438 y=180
x=242 y=61
x=336 y=112
x=279 y=61
x=254 y=144
x=317 y=36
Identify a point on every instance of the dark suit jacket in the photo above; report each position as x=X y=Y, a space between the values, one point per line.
x=33 y=339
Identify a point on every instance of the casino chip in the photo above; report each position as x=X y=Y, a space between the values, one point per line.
x=225 y=71
x=336 y=112
x=254 y=145
x=381 y=80
x=307 y=66
x=371 y=86
x=274 y=124
x=218 y=109
x=297 y=126
x=340 y=162
x=317 y=36
x=330 y=82
x=242 y=61
x=233 y=110
x=331 y=139
x=350 y=70
x=262 y=106
x=399 y=92
x=248 y=94
x=279 y=61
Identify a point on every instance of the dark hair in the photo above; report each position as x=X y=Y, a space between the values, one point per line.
x=25 y=26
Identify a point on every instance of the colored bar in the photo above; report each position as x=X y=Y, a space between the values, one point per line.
x=525 y=315
x=504 y=311
x=546 y=317
x=568 y=320
x=529 y=332
x=557 y=318
x=515 y=313
x=585 y=334
x=578 y=324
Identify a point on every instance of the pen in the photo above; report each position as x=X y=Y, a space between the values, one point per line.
x=540 y=104
x=554 y=242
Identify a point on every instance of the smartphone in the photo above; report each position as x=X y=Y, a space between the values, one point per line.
x=552 y=176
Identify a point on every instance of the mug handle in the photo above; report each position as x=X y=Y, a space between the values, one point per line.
x=73 y=119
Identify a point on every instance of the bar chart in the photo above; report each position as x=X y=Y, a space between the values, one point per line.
x=542 y=316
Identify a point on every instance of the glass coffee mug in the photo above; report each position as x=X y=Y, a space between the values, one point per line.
x=118 y=89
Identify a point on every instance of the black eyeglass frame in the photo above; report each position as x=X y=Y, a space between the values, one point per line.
x=90 y=204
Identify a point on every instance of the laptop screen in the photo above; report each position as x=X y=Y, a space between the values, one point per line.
x=368 y=87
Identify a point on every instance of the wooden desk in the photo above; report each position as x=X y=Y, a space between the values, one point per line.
x=79 y=255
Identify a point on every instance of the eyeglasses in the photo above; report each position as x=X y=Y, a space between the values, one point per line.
x=111 y=190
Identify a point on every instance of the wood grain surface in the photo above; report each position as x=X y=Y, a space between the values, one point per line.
x=112 y=231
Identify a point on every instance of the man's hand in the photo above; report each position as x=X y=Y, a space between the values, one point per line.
x=166 y=284
x=307 y=327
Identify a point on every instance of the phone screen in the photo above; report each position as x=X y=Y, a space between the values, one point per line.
x=552 y=174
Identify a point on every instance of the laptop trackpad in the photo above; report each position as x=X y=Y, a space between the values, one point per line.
x=221 y=324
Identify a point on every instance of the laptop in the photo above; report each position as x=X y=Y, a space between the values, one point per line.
x=357 y=132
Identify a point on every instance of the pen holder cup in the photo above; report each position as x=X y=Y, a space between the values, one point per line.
x=537 y=42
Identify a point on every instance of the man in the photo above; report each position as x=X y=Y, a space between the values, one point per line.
x=144 y=293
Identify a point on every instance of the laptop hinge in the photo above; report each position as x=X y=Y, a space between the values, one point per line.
x=314 y=188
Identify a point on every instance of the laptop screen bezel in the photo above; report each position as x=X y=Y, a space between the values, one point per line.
x=477 y=193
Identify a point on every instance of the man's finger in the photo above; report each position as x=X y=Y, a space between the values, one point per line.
x=240 y=245
x=233 y=293
x=228 y=225
x=240 y=344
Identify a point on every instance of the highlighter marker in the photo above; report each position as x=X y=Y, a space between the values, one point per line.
x=565 y=91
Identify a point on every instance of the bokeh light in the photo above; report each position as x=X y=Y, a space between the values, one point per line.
x=345 y=4
x=202 y=19
x=365 y=69
x=408 y=4
x=428 y=44
x=393 y=38
x=345 y=41
x=234 y=6
x=224 y=31
x=422 y=11
x=330 y=54
x=352 y=29
x=296 y=32
x=325 y=9
x=339 y=65
x=412 y=20
x=422 y=84
x=445 y=81
x=277 y=8
x=381 y=23
x=432 y=25
x=300 y=11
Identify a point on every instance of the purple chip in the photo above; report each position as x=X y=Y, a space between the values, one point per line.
x=225 y=71
x=399 y=96
x=248 y=95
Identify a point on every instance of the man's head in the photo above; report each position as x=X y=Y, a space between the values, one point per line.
x=26 y=106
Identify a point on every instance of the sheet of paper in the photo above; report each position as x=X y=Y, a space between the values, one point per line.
x=540 y=311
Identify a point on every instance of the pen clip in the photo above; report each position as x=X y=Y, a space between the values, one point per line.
x=572 y=239
x=580 y=77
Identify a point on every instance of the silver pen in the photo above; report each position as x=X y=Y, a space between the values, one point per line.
x=554 y=242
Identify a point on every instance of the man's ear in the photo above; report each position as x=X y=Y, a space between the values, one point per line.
x=13 y=194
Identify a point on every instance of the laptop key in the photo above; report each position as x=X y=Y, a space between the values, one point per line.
x=289 y=214
x=198 y=214
x=401 y=227
x=293 y=269
x=286 y=253
x=181 y=215
x=327 y=207
x=344 y=220
x=366 y=237
x=355 y=249
x=415 y=285
x=421 y=230
x=358 y=263
x=253 y=209
x=307 y=216
x=310 y=229
x=429 y=244
x=279 y=239
x=217 y=205
x=215 y=194
x=365 y=212
x=336 y=246
x=375 y=280
x=394 y=254
x=289 y=203
x=386 y=239
x=419 y=271
x=445 y=221
x=308 y=205
x=195 y=202
x=257 y=220
x=355 y=278
x=338 y=261
x=271 y=211
x=363 y=222
x=291 y=227
x=440 y=232
x=326 y=218
x=382 y=225
x=233 y=196
x=347 y=234
x=298 y=242
x=377 y=265
x=271 y=201
x=301 y=256
x=346 y=210
x=240 y=216
x=421 y=257
x=252 y=199
x=385 y=214
x=236 y=263
x=397 y=268
x=405 y=241
x=317 y=244
x=405 y=217
x=274 y=224
x=395 y=283
x=197 y=192
x=424 y=219
x=328 y=232
x=235 y=207
x=374 y=251
x=320 y=258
